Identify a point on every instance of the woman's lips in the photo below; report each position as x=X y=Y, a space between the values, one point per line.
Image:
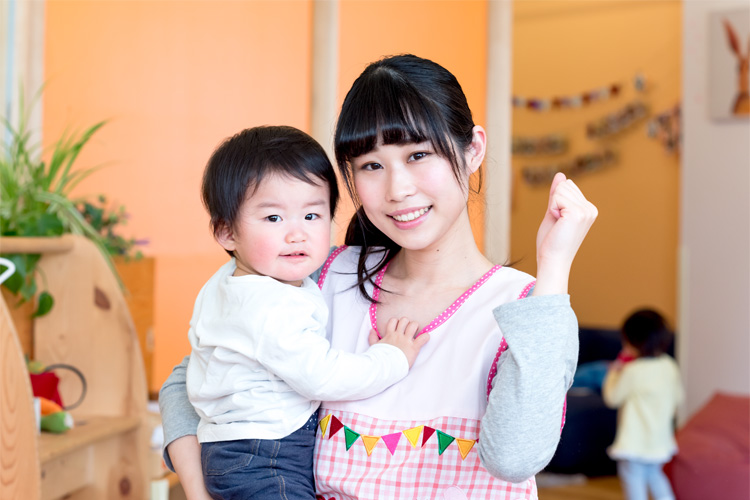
x=410 y=215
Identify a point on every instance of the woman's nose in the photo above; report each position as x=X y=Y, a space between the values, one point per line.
x=400 y=183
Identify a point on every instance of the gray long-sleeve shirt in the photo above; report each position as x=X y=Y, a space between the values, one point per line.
x=534 y=373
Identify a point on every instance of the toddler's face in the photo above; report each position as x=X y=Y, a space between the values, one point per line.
x=283 y=230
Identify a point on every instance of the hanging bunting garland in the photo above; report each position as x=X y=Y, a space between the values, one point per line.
x=428 y=432
x=552 y=144
x=412 y=435
x=616 y=122
x=666 y=127
x=391 y=441
x=464 y=446
x=333 y=425
x=350 y=436
x=541 y=175
x=324 y=423
x=444 y=440
x=578 y=100
x=336 y=426
x=370 y=442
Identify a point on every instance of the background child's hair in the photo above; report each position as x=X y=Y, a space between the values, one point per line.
x=398 y=100
x=647 y=331
x=242 y=161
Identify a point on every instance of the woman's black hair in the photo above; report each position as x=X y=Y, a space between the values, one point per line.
x=242 y=161
x=647 y=331
x=398 y=100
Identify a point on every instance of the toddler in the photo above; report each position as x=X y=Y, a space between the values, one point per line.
x=260 y=361
x=644 y=383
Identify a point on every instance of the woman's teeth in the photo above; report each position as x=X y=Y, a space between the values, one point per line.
x=411 y=215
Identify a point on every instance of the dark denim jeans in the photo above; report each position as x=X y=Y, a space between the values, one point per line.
x=262 y=469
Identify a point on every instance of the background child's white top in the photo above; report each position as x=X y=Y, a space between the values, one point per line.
x=647 y=392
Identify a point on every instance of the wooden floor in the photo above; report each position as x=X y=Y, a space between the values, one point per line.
x=598 y=488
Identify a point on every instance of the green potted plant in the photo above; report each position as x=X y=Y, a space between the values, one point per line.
x=106 y=219
x=35 y=199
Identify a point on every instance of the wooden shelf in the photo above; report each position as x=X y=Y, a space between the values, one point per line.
x=86 y=431
x=105 y=454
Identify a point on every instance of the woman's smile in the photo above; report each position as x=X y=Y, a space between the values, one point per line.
x=409 y=214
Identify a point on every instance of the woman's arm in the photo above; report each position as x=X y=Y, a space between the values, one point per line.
x=182 y=452
x=521 y=428
x=187 y=463
x=178 y=416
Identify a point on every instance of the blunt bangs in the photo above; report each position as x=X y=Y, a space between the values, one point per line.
x=388 y=109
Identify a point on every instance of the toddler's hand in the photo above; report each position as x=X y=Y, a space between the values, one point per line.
x=400 y=333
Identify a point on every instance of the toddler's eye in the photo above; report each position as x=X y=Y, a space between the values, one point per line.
x=273 y=218
x=312 y=216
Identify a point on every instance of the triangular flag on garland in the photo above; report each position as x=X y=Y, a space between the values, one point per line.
x=413 y=434
x=464 y=446
x=369 y=442
x=428 y=432
x=350 y=437
x=391 y=441
x=444 y=440
x=324 y=424
x=336 y=426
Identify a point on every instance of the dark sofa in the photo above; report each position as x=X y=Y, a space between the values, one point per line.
x=589 y=425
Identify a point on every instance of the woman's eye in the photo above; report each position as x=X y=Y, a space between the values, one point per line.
x=312 y=216
x=371 y=166
x=273 y=218
x=418 y=156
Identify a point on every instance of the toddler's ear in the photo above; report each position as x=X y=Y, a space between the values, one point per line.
x=225 y=237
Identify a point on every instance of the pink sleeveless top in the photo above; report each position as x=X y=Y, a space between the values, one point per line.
x=418 y=438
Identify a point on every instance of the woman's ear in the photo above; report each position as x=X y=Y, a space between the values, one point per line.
x=225 y=237
x=477 y=149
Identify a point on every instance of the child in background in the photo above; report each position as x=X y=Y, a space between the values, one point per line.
x=644 y=383
x=260 y=360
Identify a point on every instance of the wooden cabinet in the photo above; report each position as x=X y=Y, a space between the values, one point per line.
x=105 y=456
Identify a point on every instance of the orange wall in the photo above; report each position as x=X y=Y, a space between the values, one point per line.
x=173 y=78
x=562 y=48
x=451 y=33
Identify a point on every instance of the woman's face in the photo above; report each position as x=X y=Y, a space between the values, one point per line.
x=411 y=194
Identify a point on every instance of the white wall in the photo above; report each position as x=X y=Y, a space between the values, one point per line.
x=714 y=326
x=21 y=60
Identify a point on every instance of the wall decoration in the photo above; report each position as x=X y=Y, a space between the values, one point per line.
x=728 y=52
x=666 y=127
x=616 y=122
x=577 y=100
x=552 y=144
x=541 y=175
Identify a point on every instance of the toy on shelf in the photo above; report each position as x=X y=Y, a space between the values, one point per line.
x=54 y=415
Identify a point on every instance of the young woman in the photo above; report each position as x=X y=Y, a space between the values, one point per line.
x=481 y=410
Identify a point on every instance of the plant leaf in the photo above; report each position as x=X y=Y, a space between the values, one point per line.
x=44 y=304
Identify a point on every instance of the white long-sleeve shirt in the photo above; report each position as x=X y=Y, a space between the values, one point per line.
x=260 y=362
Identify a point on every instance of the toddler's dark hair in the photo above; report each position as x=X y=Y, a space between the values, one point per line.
x=647 y=331
x=242 y=161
